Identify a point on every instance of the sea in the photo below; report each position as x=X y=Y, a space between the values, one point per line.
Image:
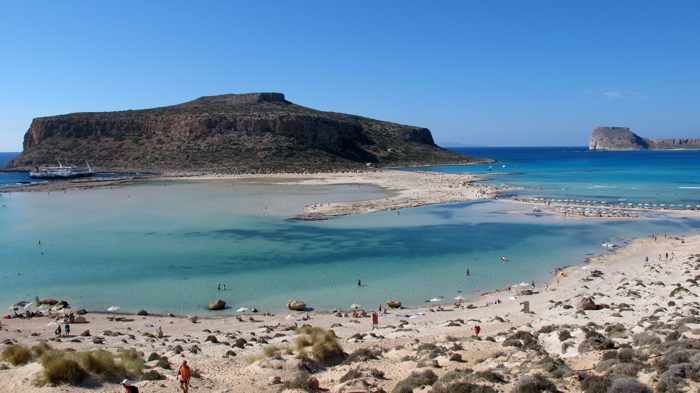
x=166 y=247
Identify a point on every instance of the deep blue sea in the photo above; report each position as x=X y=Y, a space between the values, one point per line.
x=165 y=247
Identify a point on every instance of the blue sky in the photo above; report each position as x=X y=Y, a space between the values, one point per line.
x=474 y=72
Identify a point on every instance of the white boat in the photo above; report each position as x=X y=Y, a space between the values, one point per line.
x=61 y=171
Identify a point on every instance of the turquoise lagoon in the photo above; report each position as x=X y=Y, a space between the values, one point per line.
x=165 y=246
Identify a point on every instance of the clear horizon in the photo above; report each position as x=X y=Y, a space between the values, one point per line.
x=475 y=74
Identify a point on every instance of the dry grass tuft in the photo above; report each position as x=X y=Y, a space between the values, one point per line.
x=17 y=355
x=319 y=345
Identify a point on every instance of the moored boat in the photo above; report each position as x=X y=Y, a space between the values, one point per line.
x=61 y=171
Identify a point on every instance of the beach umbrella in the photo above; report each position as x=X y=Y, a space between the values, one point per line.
x=459 y=298
x=355 y=306
x=243 y=309
x=52 y=324
x=113 y=308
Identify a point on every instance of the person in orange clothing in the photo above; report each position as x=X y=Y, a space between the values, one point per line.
x=183 y=375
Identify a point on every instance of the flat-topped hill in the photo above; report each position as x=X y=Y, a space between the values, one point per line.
x=257 y=132
x=622 y=138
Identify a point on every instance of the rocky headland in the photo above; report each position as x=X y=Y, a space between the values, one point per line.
x=622 y=138
x=232 y=133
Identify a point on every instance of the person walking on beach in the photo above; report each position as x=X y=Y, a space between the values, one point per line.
x=375 y=320
x=183 y=375
x=477 y=330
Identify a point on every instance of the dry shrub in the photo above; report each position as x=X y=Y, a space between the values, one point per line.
x=463 y=387
x=628 y=385
x=17 y=355
x=152 y=375
x=302 y=381
x=40 y=349
x=72 y=368
x=58 y=369
x=536 y=383
x=275 y=351
x=645 y=338
x=415 y=380
x=363 y=355
x=132 y=361
x=554 y=366
x=101 y=363
x=595 y=383
x=319 y=345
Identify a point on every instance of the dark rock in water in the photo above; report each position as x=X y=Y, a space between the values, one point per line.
x=393 y=304
x=82 y=311
x=215 y=305
x=142 y=313
x=622 y=138
x=257 y=132
x=296 y=305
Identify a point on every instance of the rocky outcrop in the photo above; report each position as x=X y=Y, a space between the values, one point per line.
x=616 y=138
x=229 y=133
x=622 y=138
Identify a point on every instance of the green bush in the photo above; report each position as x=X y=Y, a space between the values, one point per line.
x=17 y=355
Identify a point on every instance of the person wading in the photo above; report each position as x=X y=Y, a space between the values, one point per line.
x=183 y=375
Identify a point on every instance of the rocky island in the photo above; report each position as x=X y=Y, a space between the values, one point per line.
x=622 y=138
x=232 y=133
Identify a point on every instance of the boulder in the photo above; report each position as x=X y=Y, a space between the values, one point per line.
x=215 y=305
x=587 y=304
x=296 y=305
x=393 y=304
x=142 y=313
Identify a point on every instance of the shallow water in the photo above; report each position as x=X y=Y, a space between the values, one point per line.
x=574 y=172
x=164 y=247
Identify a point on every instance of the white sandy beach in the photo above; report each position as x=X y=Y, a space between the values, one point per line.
x=630 y=289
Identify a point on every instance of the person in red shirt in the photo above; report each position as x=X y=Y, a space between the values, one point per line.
x=183 y=375
x=477 y=330
x=375 y=320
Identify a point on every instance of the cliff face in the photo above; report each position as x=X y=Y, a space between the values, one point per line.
x=622 y=138
x=231 y=133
